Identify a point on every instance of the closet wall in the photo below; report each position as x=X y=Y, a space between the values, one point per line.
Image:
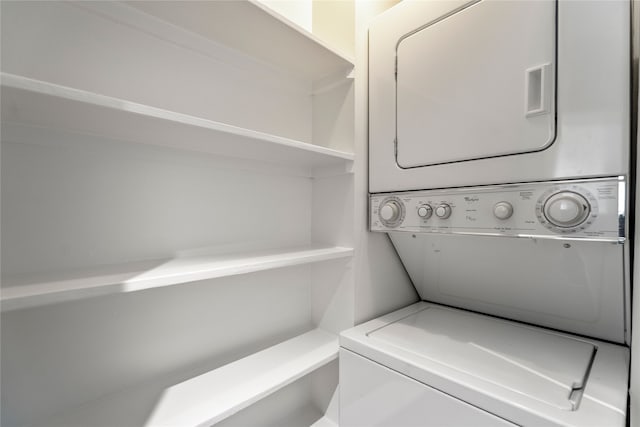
x=177 y=196
x=382 y=284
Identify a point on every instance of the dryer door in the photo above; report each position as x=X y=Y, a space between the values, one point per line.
x=478 y=82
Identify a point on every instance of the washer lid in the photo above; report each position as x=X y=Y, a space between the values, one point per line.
x=522 y=360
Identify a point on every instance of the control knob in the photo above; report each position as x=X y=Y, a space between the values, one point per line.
x=503 y=210
x=443 y=211
x=425 y=211
x=566 y=209
x=390 y=211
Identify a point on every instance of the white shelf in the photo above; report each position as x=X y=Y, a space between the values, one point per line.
x=211 y=397
x=256 y=30
x=205 y=399
x=30 y=102
x=24 y=292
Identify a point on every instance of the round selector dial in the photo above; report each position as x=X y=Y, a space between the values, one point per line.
x=566 y=209
x=425 y=211
x=503 y=210
x=443 y=211
x=391 y=212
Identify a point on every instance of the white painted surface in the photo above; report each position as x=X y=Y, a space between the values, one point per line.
x=211 y=397
x=580 y=288
x=36 y=103
x=376 y=396
x=296 y=11
x=326 y=391
x=93 y=202
x=603 y=401
x=22 y=292
x=233 y=23
x=170 y=395
x=334 y=22
x=515 y=358
x=332 y=221
x=333 y=105
x=466 y=101
x=128 y=54
x=332 y=294
x=592 y=114
x=381 y=282
x=78 y=196
x=57 y=358
x=292 y=406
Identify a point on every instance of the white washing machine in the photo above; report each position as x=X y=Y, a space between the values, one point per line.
x=431 y=365
x=526 y=256
x=499 y=161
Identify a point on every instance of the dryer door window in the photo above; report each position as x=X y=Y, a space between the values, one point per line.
x=478 y=83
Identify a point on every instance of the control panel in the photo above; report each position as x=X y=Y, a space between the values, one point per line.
x=581 y=209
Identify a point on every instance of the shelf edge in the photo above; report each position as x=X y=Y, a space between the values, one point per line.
x=43 y=88
x=349 y=61
x=324 y=349
x=55 y=291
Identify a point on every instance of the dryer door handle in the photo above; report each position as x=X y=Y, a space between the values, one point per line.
x=537 y=90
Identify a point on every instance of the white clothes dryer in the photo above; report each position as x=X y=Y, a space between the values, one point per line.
x=492 y=92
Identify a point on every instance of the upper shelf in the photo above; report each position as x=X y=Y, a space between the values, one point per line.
x=24 y=292
x=236 y=25
x=32 y=102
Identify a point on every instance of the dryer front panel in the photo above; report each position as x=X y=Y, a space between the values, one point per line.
x=479 y=83
x=496 y=92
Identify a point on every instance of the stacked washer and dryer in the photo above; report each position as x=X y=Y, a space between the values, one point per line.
x=499 y=166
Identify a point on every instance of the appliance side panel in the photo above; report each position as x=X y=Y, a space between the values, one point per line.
x=373 y=395
x=576 y=287
x=381 y=283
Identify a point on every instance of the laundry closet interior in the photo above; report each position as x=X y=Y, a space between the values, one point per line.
x=259 y=213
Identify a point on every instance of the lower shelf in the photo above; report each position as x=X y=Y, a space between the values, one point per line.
x=24 y=292
x=213 y=396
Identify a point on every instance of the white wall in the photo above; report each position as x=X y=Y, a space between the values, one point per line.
x=382 y=284
x=119 y=51
x=72 y=202
x=57 y=357
x=297 y=11
x=334 y=22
